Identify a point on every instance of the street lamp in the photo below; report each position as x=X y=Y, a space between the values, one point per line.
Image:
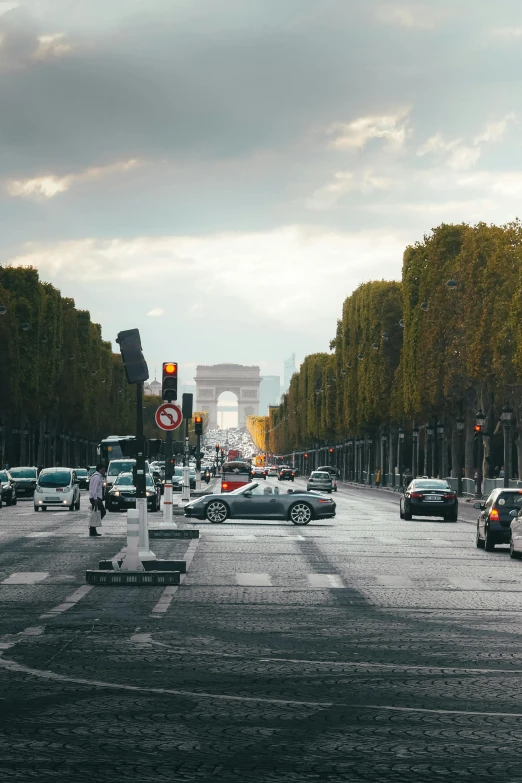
x=507 y=416
x=460 y=433
x=369 y=462
x=415 y=436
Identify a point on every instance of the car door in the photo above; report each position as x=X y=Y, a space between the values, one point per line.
x=257 y=504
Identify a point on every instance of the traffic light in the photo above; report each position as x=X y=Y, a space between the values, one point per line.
x=198 y=425
x=305 y=456
x=186 y=406
x=331 y=451
x=478 y=428
x=217 y=448
x=169 y=386
x=134 y=362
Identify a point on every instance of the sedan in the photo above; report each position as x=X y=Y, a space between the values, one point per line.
x=82 y=474
x=258 y=472
x=320 y=480
x=122 y=494
x=7 y=489
x=286 y=474
x=25 y=480
x=255 y=502
x=429 y=498
x=495 y=521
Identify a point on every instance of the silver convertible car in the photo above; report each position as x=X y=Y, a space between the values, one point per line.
x=253 y=501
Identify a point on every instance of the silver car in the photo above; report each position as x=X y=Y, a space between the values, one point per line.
x=320 y=480
x=253 y=501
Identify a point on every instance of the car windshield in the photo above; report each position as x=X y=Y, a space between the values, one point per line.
x=59 y=478
x=117 y=467
x=81 y=472
x=510 y=499
x=320 y=475
x=125 y=480
x=3 y=476
x=21 y=473
x=431 y=484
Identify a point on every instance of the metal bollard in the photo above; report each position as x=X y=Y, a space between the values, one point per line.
x=185 y=487
x=131 y=561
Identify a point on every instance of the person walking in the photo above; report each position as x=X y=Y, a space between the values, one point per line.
x=96 y=496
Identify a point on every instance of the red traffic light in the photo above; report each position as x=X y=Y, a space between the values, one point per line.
x=478 y=428
x=198 y=419
x=306 y=456
x=331 y=451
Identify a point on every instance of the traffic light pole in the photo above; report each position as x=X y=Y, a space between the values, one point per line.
x=141 y=484
x=167 y=492
x=198 y=461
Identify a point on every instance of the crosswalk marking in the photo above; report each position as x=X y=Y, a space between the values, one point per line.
x=42 y=534
x=325 y=580
x=254 y=580
x=70 y=601
x=394 y=580
x=26 y=578
x=466 y=583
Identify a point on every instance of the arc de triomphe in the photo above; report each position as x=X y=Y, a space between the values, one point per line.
x=213 y=380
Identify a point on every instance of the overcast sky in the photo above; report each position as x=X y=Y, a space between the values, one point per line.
x=184 y=166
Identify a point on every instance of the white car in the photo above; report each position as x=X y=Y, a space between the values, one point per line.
x=57 y=488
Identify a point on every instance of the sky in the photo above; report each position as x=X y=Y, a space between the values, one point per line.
x=222 y=174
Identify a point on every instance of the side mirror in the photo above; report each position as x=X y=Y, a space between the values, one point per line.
x=247 y=494
x=480 y=506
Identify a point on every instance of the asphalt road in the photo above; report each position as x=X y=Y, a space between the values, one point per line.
x=363 y=648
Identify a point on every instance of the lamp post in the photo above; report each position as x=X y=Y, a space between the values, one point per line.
x=415 y=436
x=460 y=435
x=400 y=454
x=440 y=434
x=506 y=416
x=430 y=447
x=480 y=421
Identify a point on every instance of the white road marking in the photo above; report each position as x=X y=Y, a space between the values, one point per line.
x=325 y=580
x=254 y=580
x=26 y=578
x=165 y=600
x=69 y=602
x=40 y=535
x=394 y=580
x=294 y=538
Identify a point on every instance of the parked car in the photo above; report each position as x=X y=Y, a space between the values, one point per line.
x=82 y=475
x=254 y=501
x=58 y=488
x=122 y=494
x=286 y=474
x=320 y=480
x=25 y=480
x=7 y=489
x=429 y=498
x=334 y=473
x=495 y=518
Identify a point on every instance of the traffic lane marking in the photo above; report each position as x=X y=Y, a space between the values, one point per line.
x=25 y=578
x=69 y=602
x=253 y=580
x=325 y=580
x=165 y=600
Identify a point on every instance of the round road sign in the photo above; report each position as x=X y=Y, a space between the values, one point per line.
x=169 y=416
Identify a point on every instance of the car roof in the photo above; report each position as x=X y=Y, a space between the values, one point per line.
x=55 y=470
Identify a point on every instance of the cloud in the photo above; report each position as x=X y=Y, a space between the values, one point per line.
x=329 y=195
x=50 y=46
x=506 y=33
x=462 y=155
x=5 y=7
x=156 y=312
x=495 y=131
x=49 y=185
x=418 y=17
x=356 y=134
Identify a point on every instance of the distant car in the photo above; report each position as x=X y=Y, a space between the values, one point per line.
x=177 y=479
x=429 y=498
x=254 y=501
x=25 y=480
x=286 y=474
x=258 y=472
x=58 y=488
x=320 y=480
x=82 y=475
x=496 y=523
x=271 y=470
x=117 y=466
x=334 y=473
x=7 y=489
x=123 y=493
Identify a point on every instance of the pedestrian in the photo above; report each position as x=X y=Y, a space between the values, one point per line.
x=96 y=496
x=502 y=472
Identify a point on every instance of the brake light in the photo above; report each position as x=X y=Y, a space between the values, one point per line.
x=416 y=495
x=326 y=501
x=293 y=474
x=225 y=485
x=450 y=496
x=494 y=515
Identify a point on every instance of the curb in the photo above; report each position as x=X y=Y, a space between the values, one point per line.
x=164 y=532
x=149 y=565
x=133 y=578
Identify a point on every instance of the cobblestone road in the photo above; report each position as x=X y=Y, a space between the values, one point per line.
x=363 y=648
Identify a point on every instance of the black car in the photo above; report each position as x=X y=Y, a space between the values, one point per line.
x=7 y=489
x=429 y=498
x=122 y=494
x=82 y=474
x=177 y=479
x=25 y=480
x=286 y=474
x=496 y=515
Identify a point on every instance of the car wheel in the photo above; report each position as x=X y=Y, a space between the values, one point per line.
x=451 y=518
x=479 y=542
x=216 y=511
x=489 y=544
x=408 y=516
x=514 y=555
x=77 y=505
x=300 y=514
x=401 y=512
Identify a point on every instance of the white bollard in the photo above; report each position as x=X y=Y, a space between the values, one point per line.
x=185 y=487
x=198 y=480
x=144 y=549
x=168 y=519
x=131 y=561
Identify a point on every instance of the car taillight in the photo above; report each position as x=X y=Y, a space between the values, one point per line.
x=494 y=515
x=450 y=496
x=416 y=495
x=293 y=474
x=325 y=501
x=225 y=486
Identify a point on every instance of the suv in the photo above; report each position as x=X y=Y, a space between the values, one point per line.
x=496 y=515
x=57 y=487
x=321 y=480
x=334 y=473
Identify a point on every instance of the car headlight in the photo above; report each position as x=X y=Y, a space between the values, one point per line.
x=149 y=494
x=116 y=493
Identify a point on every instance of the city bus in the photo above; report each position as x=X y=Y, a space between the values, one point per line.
x=124 y=447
